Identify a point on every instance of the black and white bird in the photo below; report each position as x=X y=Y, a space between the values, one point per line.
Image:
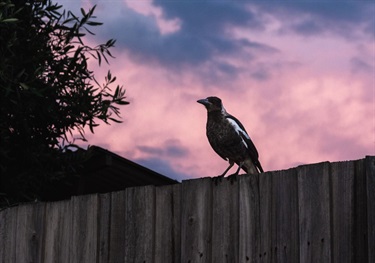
x=229 y=138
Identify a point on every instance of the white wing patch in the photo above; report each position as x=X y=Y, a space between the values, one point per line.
x=240 y=131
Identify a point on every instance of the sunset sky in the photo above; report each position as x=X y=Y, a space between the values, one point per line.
x=300 y=76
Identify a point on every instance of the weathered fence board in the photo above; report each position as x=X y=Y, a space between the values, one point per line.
x=342 y=174
x=370 y=182
x=249 y=224
x=286 y=234
x=85 y=230
x=225 y=221
x=9 y=235
x=58 y=232
x=313 y=213
x=196 y=220
x=267 y=217
x=139 y=224
x=116 y=238
x=30 y=222
x=167 y=224
x=360 y=243
x=104 y=221
x=26 y=221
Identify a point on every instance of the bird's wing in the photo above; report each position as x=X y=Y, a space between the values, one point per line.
x=222 y=156
x=237 y=125
x=252 y=150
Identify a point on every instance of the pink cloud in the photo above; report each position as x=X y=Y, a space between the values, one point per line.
x=303 y=103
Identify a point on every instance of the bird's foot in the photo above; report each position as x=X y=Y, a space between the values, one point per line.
x=217 y=179
x=232 y=178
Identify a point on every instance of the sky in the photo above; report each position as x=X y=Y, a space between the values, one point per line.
x=299 y=75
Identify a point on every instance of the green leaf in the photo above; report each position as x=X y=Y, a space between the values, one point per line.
x=91 y=23
x=10 y=20
x=24 y=86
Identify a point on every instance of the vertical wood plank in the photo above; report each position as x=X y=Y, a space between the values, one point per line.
x=140 y=223
x=29 y=232
x=370 y=180
x=196 y=219
x=267 y=218
x=104 y=218
x=285 y=203
x=8 y=242
x=58 y=232
x=167 y=223
x=249 y=223
x=342 y=211
x=314 y=213
x=117 y=228
x=225 y=223
x=360 y=244
x=85 y=228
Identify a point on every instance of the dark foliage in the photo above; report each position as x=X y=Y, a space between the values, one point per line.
x=47 y=93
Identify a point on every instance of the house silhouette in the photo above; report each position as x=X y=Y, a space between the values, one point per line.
x=104 y=172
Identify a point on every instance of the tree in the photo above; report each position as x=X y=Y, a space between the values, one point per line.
x=48 y=93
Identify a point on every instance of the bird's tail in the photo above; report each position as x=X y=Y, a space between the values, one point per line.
x=249 y=167
x=259 y=166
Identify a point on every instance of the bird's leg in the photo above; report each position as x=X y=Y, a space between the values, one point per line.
x=220 y=177
x=231 y=163
x=233 y=177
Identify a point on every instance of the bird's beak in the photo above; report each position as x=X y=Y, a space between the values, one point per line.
x=204 y=102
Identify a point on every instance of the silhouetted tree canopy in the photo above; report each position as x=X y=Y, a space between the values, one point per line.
x=47 y=93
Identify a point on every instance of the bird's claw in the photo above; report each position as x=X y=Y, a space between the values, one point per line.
x=232 y=178
x=217 y=179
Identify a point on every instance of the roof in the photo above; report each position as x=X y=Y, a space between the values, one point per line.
x=103 y=172
x=107 y=171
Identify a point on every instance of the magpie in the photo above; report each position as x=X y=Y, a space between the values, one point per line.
x=229 y=139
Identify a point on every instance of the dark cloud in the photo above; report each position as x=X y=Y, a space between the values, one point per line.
x=348 y=19
x=259 y=47
x=205 y=26
x=164 y=168
x=203 y=35
x=308 y=27
x=209 y=17
x=158 y=156
x=170 y=148
x=261 y=74
x=360 y=66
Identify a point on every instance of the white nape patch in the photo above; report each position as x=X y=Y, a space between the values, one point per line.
x=240 y=131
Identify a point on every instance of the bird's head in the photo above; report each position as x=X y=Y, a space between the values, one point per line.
x=212 y=104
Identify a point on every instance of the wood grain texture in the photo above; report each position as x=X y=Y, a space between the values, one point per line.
x=85 y=225
x=140 y=223
x=196 y=221
x=314 y=213
x=104 y=223
x=58 y=232
x=249 y=219
x=167 y=223
x=30 y=231
x=285 y=204
x=8 y=234
x=360 y=230
x=225 y=223
x=370 y=183
x=117 y=228
x=343 y=175
x=267 y=220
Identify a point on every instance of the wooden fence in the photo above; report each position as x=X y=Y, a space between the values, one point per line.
x=313 y=213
